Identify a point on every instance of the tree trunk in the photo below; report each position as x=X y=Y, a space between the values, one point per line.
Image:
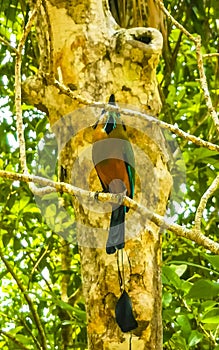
x=95 y=58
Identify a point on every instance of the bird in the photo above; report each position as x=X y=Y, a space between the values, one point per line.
x=114 y=161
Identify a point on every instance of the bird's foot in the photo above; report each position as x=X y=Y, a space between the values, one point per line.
x=96 y=195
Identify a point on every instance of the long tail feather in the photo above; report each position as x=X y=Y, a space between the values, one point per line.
x=116 y=238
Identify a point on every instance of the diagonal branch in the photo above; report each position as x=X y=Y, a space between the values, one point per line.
x=8 y=44
x=29 y=301
x=173 y=128
x=203 y=80
x=210 y=191
x=23 y=322
x=17 y=343
x=191 y=234
x=204 y=84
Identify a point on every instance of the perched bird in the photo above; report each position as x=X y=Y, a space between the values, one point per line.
x=114 y=162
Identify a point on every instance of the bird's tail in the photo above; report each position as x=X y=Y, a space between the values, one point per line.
x=116 y=238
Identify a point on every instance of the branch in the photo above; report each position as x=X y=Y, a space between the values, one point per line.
x=209 y=55
x=23 y=322
x=174 y=21
x=173 y=128
x=203 y=80
x=8 y=44
x=50 y=40
x=18 y=103
x=199 y=213
x=192 y=234
x=29 y=302
x=204 y=84
x=66 y=330
x=14 y=340
x=18 y=106
x=36 y=265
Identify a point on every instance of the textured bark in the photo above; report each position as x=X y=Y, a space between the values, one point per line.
x=95 y=58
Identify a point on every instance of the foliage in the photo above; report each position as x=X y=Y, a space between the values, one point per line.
x=190 y=274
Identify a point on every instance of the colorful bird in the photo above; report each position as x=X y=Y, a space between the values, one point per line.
x=114 y=162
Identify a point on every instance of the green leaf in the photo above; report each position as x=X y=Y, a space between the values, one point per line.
x=50 y=196
x=214 y=260
x=50 y=211
x=179 y=342
x=167 y=298
x=179 y=269
x=22 y=339
x=184 y=323
x=204 y=289
x=170 y=277
x=16 y=330
x=194 y=338
x=23 y=202
x=208 y=305
x=211 y=316
x=201 y=153
x=6 y=239
x=32 y=208
x=40 y=127
x=76 y=311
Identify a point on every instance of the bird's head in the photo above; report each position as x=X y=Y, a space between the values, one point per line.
x=112 y=117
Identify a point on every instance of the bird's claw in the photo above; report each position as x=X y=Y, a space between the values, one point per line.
x=96 y=195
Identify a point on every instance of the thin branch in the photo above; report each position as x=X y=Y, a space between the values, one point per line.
x=204 y=84
x=50 y=40
x=173 y=128
x=18 y=105
x=174 y=21
x=75 y=296
x=29 y=331
x=209 y=55
x=8 y=44
x=51 y=186
x=23 y=322
x=66 y=266
x=40 y=271
x=67 y=91
x=201 y=207
x=29 y=301
x=35 y=267
x=28 y=27
x=203 y=80
x=66 y=330
x=19 y=345
x=192 y=234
